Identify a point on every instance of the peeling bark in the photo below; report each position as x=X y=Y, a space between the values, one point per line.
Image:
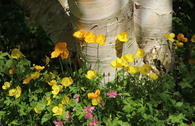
x=153 y=18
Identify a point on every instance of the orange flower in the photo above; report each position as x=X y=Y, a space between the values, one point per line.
x=185 y=40
x=95 y=97
x=180 y=36
x=60 y=50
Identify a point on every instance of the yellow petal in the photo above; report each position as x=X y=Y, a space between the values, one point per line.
x=55 y=54
x=91 y=74
x=117 y=63
x=123 y=37
x=153 y=76
x=79 y=34
x=96 y=101
x=16 y=54
x=100 y=39
x=90 y=38
x=140 y=53
x=67 y=81
x=128 y=58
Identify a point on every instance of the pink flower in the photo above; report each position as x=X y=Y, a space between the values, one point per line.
x=58 y=123
x=112 y=94
x=88 y=115
x=68 y=116
x=94 y=122
x=103 y=103
x=76 y=97
x=89 y=109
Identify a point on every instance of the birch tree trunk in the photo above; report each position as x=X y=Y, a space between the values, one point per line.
x=109 y=17
x=153 y=18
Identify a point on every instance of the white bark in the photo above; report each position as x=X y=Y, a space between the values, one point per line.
x=153 y=18
x=109 y=17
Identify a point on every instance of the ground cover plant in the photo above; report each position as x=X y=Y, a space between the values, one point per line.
x=51 y=90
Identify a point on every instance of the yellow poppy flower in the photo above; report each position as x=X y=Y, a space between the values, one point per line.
x=16 y=54
x=132 y=70
x=96 y=101
x=18 y=92
x=179 y=44
x=145 y=69
x=12 y=92
x=52 y=82
x=39 y=68
x=35 y=75
x=64 y=54
x=79 y=34
x=27 y=80
x=15 y=92
x=60 y=50
x=153 y=76
x=128 y=58
x=91 y=74
x=48 y=100
x=170 y=37
x=90 y=38
x=95 y=97
x=67 y=81
x=57 y=110
x=100 y=39
x=37 y=110
x=117 y=63
x=6 y=85
x=55 y=90
x=123 y=37
x=65 y=101
x=140 y=53
x=56 y=53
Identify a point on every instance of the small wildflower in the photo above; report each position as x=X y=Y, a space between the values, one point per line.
x=57 y=110
x=145 y=69
x=91 y=74
x=65 y=100
x=52 y=82
x=90 y=38
x=170 y=37
x=67 y=81
x=37 y=110
x=16 y=54
x=140 y=53
x=6 y=85
x=96 y=99
x=112 y=94
x=123 y=37
x=58 y=123
x=101 y=39
x=39 y=68
x=117 y=63
x=79 y=34
x=94 y=122
x=132 y=69
x=128 y=58
x=153 y=76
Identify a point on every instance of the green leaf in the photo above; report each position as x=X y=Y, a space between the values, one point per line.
x=45 y=118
